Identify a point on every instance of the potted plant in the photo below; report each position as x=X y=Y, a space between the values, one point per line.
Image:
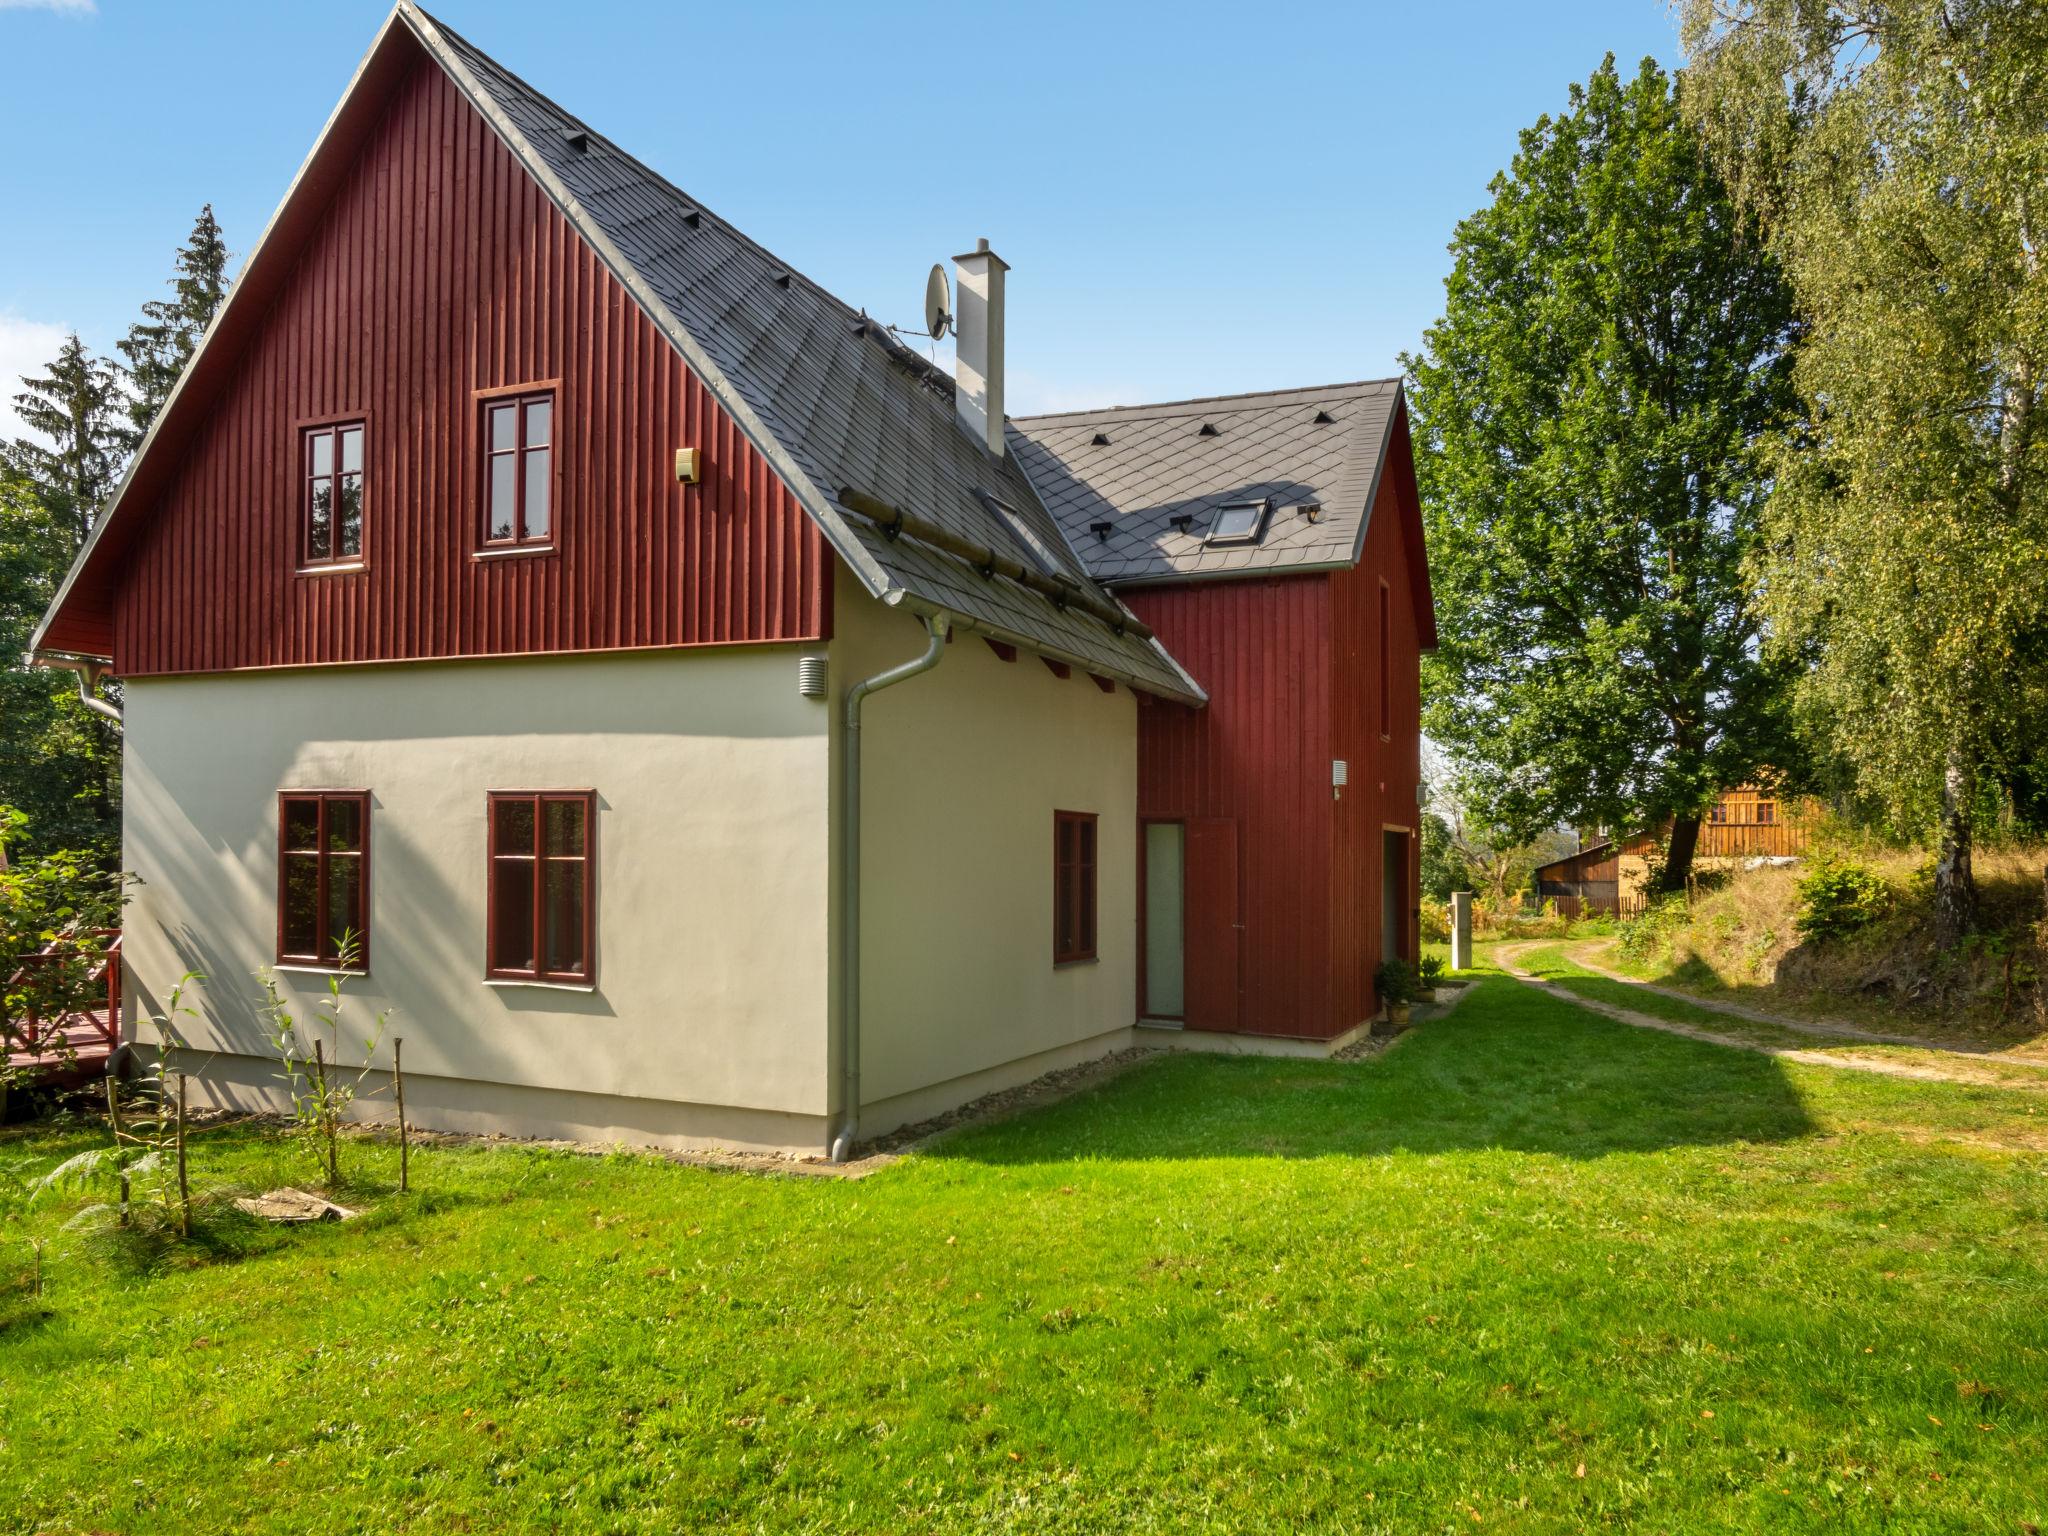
x=1431 y=972
x=1397 y=986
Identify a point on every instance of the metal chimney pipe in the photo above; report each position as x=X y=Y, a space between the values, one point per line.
x=978 y=333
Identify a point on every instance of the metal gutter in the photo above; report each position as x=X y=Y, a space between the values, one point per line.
x=937 y=627
x=88 y=670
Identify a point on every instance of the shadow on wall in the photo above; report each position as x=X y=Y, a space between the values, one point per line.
x=1511 y=1070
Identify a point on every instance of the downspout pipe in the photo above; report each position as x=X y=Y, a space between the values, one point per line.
x=937 y=626
x=88 y=673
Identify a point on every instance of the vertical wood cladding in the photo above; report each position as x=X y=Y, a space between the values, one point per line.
x=1256 y=755
x=1385 y=769
x=1293 y=669
x=439 y=270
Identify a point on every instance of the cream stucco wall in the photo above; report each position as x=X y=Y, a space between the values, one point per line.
x=712 y=911
x=962 y=770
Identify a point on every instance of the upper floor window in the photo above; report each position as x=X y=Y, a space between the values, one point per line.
x=1766 y=813
x=323 y=878
x=332 y=510
x=519 y=470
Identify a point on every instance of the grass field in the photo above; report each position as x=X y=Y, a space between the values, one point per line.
x=1530 y=1271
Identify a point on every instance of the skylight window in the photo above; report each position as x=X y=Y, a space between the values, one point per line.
x=1241 y=522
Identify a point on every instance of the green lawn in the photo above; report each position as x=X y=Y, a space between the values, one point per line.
x=1531 y=1271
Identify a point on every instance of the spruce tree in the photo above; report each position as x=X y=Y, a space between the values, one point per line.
x=78 y=405
x=161 y=343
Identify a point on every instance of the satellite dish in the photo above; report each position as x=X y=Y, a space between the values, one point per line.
x=938 y=302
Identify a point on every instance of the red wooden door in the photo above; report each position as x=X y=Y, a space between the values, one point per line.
x=1213 y=931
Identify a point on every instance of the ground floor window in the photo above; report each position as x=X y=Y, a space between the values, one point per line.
x=1073 y=886
x=323 y=882
x=543 y=845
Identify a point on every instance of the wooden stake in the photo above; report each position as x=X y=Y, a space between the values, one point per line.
x=398 y=1084
x=326 y=1110
x=184 y=1186
x=120 y=1152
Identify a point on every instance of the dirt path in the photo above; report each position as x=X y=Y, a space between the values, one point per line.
x=1508 y=956
x=1834 y=1029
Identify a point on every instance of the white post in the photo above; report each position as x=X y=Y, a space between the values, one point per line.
x=1461 y=930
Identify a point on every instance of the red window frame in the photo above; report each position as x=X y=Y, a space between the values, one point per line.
x=327 y=949
x=531 y=864
x=1074 y=847
x=521 y=403
x=333 y=434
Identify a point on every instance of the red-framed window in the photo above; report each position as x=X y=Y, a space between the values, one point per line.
x=519 y=470
x=1073 y=886
x=331 y=495
x=1386 y=663
x=323 y=878
x=543 y=849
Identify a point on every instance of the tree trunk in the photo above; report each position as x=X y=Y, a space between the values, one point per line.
x=1955 y=888
x=1685 y=841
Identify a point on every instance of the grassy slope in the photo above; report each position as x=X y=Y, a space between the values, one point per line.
x=1739 y=943
x=1218 y=1293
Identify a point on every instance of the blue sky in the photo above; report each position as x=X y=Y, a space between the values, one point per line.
x=1194 y=198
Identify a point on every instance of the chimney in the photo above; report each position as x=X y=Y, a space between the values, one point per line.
x=978 y=340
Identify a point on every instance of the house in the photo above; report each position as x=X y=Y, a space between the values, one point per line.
x=695 y=717
x=1613 y=875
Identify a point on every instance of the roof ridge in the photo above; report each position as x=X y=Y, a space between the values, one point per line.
x=1167 y=407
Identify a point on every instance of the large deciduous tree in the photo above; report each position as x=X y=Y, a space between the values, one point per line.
x=1897 y=153
x=159 y=345
x=1613 y=351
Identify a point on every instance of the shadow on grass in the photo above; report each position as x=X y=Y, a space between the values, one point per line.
x=1512 y=1069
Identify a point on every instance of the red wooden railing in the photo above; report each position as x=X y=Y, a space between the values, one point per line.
x=103 y=977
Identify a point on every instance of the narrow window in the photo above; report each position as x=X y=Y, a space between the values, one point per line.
x=1386 y=664
x=542 y=846
x=519 y=475
x=1073 y=886
x=331 y=514
x=1718 y=815
x=323 y=880
x=1766 y=813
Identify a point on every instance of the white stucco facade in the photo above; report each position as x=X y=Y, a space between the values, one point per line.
x=717 y=877
x=963 y=769
x=707 y=1018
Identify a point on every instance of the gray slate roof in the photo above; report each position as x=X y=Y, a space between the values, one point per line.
x=1158 y=464
x=829 y=397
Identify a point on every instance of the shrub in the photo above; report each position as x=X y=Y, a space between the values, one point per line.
x=1431 y=970
x=1396 y=982
x=1643 y=935
x=1837 y=898
x=1435 y=924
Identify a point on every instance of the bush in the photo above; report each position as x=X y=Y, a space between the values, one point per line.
x=1396 y=982
x=1430 y=970
x=1435 y=924
x=1837 y=898
x=1643 y=935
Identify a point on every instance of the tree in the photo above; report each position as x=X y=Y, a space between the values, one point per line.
x=1443 y=868
x=77 y=405
x=58 y=762
x=1896 y=152
x=161 y=343
x=1589 y=410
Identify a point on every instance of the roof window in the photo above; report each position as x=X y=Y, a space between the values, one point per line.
x=1239 y=522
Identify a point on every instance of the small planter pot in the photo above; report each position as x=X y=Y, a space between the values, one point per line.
x=1397 y=1016
x=1426 y=995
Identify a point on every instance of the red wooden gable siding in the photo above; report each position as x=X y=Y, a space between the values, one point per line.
x=441 y=269
x=1384 y=771
x=1256 y=756
x=1293 y=666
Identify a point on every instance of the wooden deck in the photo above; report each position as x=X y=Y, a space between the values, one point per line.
x=73 y=1047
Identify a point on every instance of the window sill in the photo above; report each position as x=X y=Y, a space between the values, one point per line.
x=350 y=568
x=509 y=554
x=545 y=986
x=1067 y=965
x=299 y=967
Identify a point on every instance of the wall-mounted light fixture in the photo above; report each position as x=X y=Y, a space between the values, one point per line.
x=688 y=465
